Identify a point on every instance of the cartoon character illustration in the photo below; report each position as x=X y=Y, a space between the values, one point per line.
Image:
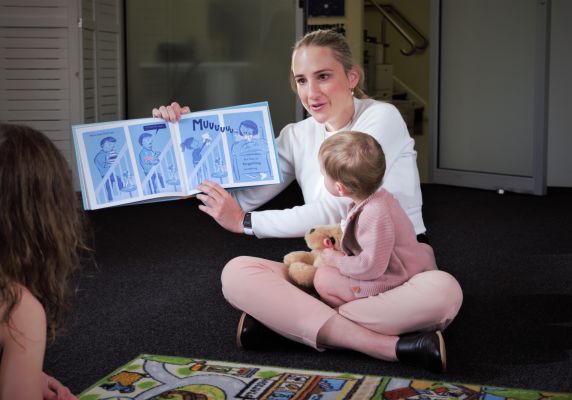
x=148 y=158
x=104 y=160
x=196 y=144
x=250 y=154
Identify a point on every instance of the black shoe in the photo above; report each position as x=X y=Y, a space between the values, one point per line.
x=253 y=335
x=423 y=349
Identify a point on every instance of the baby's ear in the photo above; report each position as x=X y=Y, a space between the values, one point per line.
x=342 y=189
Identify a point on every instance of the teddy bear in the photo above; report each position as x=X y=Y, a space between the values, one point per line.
x=302 y=265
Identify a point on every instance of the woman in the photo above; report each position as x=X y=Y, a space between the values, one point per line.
x=327 y=81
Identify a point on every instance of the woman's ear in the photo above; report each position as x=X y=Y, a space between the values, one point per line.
x=353 y=77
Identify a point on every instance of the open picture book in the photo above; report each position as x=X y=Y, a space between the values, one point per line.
x=145 y=160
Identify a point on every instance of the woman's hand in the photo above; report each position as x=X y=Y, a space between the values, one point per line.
x=220 y=205
x=171 y=113
x=54 y=390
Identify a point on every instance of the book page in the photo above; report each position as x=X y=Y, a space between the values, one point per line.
x=233 y=147
x=126 y=161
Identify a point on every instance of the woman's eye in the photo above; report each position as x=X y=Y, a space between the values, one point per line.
x=300 y=81
x=323 y=76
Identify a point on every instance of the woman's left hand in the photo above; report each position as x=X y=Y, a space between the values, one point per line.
x=55 y=390
x=171 y=113
x=220 y=205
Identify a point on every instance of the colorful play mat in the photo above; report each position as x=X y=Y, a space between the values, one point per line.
x=176 y=378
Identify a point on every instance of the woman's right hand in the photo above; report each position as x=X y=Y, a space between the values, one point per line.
x=219 y=204
x=171 y=113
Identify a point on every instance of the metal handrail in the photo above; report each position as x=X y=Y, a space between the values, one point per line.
x=417 y=43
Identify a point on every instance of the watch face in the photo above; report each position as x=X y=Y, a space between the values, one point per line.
x=247 y=221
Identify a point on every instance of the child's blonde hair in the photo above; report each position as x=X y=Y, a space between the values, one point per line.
x=341 y=51
x=41 y=229
x=354 y=159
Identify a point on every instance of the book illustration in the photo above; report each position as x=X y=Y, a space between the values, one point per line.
x=110 y=168
x=148 y=159
x=202 y=147
x=153 y=145
x=249 y=150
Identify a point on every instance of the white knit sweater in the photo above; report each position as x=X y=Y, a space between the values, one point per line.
x=298 y=146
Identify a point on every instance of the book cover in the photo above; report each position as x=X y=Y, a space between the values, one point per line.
x=144 y=160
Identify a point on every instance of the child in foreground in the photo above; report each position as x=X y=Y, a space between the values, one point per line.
x=41 y=237
x=379 y=244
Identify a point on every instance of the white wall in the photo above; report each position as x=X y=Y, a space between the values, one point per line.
x=560 y=96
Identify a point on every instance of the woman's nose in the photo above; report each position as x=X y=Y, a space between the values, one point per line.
x=313 y=88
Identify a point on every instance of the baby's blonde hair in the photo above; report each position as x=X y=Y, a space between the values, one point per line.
x=355 y=159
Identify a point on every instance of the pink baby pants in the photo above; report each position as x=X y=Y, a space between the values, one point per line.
x=428 y=301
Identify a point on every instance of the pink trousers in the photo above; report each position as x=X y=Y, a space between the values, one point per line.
x=428 y=301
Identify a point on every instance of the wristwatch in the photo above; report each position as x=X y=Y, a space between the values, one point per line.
x=247 y=224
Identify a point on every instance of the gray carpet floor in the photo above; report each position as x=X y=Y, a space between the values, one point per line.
x=156 y=289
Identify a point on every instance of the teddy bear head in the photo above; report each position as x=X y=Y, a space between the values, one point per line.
x=324 y=236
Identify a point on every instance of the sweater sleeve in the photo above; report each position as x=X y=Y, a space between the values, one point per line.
x=375 y=234
x=320 y=207
x=294 y=222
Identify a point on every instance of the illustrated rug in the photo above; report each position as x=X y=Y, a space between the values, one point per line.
x=175 y=378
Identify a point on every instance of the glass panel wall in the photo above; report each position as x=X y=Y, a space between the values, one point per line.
x=210 y=54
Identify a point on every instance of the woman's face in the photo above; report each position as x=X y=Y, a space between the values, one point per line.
x=323 y=86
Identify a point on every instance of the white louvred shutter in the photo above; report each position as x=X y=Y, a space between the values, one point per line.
x=102 y=56
x=53 y=73
x=39 y=67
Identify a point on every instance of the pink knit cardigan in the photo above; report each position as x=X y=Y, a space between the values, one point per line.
x=381 y=247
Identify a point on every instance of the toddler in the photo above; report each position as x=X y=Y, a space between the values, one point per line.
x=379 y=244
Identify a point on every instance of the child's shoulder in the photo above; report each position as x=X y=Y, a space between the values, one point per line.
x=28 y=317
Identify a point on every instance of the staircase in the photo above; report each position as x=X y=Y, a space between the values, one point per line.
x=380 y=80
